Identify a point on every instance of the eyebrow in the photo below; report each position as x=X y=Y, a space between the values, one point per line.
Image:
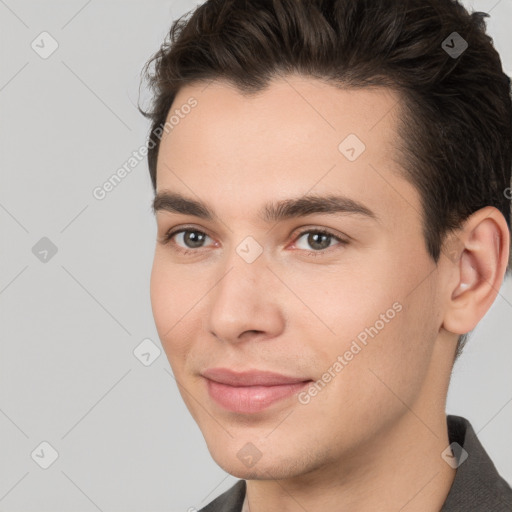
x=271 y=212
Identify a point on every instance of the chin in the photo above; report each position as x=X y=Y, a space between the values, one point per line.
x=275 y=467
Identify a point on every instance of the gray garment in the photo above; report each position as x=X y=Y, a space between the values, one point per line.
x=477 y=486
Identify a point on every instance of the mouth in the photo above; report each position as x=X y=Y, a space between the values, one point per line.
x=251 y=391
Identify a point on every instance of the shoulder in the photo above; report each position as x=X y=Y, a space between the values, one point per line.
x=477 y=485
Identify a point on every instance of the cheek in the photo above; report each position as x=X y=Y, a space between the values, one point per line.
x=339 y=303
x=391 y=367
x=372 y=382
x=371 y=319
x=172 y=298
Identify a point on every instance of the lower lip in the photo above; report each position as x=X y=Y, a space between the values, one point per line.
x=251 y=399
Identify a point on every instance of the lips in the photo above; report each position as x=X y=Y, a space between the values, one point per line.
x=250 y=377
x=250 y=391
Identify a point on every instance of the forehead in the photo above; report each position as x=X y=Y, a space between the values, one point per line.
x=297 y=135
x=292 y=107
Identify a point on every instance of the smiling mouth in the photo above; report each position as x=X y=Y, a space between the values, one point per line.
x=251 y=399
x=251 y=391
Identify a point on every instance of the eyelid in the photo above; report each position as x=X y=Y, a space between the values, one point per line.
x=299 y=232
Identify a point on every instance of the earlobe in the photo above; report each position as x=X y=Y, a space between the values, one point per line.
x=479 y=271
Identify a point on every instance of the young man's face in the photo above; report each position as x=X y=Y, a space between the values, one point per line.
x=360 y=313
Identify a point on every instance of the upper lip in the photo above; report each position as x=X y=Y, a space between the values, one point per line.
x=249 y=377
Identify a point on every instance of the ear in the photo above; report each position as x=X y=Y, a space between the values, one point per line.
x=477 y=261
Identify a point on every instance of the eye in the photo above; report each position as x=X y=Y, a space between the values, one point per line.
x=318 y=240
x=185 y=240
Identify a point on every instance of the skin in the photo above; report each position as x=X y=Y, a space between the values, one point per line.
x=380 y=423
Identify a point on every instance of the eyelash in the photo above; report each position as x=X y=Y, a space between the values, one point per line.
x=170 y=234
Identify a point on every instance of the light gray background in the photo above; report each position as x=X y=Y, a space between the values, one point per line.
x=68 y=375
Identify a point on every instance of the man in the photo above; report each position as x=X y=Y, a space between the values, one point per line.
x=331 y=186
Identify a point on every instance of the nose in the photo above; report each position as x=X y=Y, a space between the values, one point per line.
x=242 y=305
